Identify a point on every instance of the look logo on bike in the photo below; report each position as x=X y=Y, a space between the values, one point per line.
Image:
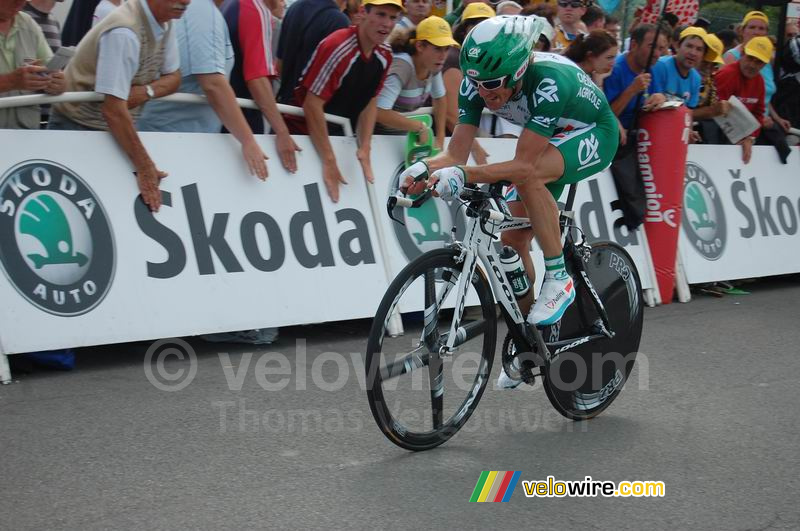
x=569 y=133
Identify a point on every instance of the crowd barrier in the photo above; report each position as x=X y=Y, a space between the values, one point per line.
x=85 y=262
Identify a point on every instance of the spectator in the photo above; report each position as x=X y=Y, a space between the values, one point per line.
x=131 y=56
x=569 y=24
x=454 y=16
x=756 y=24
x=612 y=26
x=306 y=23
x=416 y=75
x=729 y=39
x=676 y=74
x=451 y=72
x=787 y=97
x=416 y=12
x=702 y=22
x=251 y=26
x=79 y=21
x=103 y=9
x=18 y=77
x=629 y=79
x=741 y=79
x=353 y=11
x=546 y=11
x=344 y=77
x=509 y=7
x=595 y=53
x=40 y=10
x=594 y=18
x=709 y=104
x=206 y=60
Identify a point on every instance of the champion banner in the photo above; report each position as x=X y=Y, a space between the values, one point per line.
x=663 y=142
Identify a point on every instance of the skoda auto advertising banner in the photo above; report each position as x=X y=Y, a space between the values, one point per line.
x=84 y=261
x=740 y=220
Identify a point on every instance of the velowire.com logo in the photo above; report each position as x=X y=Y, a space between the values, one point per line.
x=56 y=245
x=705 y=217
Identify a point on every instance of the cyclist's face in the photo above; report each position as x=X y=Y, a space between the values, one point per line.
x=494 y=99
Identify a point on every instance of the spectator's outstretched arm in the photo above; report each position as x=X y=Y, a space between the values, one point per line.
x=223 y=100
x=396 y=120
x=440 y=119
x=163 y=86
x=314 y=108
x=366 y=126
x=261 y=89
x=120 y=124
x=782 y=122
x=718 y=108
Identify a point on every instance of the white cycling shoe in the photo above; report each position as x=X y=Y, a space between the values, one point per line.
x=504 y=381
x=554 y=298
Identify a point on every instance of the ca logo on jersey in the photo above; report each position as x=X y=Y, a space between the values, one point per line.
x=467 y=89
x=588 y=152
x=546 y=91
x=544 y=121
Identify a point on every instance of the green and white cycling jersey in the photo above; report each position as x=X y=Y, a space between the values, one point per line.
x=559 y=101
x=556 y=95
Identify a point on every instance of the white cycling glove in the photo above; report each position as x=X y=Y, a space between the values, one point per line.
x=451 y=181
x=411 y=173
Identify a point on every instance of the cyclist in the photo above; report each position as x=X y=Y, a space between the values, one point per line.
x=569 y=133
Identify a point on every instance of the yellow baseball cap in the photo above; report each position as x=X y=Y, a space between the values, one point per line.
x=760 y=48
x=436 y=31
x=396 y=3
x=714 y=52
x=755 y=15
x=477 y=10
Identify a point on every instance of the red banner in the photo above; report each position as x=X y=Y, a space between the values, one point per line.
x=662 y=145
x=685 y=10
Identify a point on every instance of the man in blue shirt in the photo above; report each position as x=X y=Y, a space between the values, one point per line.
x=676 y=75
x=628 y=78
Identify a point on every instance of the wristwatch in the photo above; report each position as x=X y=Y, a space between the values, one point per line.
x=149 y=91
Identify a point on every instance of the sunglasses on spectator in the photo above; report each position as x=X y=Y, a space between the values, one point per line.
x=573 y=4
x=489 y=84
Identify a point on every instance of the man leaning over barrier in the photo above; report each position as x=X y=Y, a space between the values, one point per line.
x=131 y=56
x=344 y=77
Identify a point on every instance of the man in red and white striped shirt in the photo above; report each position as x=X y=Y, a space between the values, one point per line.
x=343 y=77
x=251 y=26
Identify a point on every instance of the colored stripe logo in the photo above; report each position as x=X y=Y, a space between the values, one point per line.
x=495 y=486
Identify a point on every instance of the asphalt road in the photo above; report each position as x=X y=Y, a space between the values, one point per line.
x=709 y=410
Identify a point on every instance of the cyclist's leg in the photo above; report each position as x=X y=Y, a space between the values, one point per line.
x=520 y=241
x=569 y=158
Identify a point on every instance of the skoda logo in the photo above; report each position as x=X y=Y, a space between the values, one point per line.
x=426 y=227
x=705 y=218
x=56 y=246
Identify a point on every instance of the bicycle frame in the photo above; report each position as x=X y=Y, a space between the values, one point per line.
x=477 y=245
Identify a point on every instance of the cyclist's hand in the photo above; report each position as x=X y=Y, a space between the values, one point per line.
x=447 y=182
x=412 y=180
